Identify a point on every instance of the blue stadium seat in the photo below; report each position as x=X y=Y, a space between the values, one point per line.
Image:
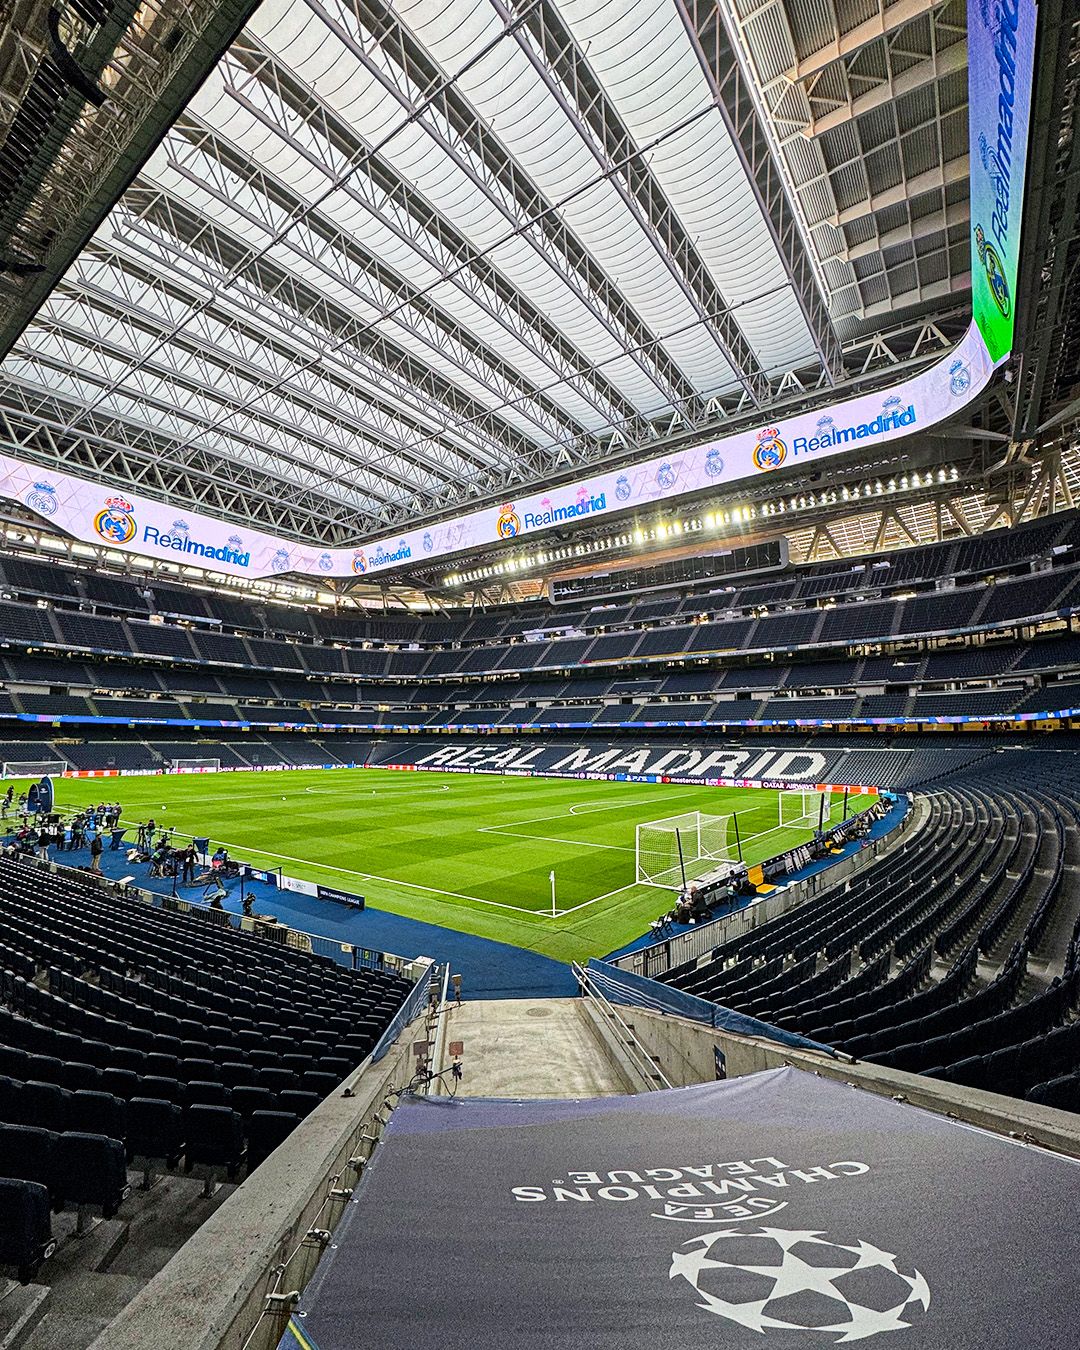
x=155 y=1132
x=267 y=1130
x=322 y=1084
x=46 y=1105
x=247 y=1100
x=98 y=1113
x=25 y=1228
x=122 y=1083
x=27 y=1152
x=11 y=1107
x=215 y=1138
x=170 y=1089
x=89 y=1169
x=201 y=1093
x=300 y=1103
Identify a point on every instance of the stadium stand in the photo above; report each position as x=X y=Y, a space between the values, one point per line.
x=957 y=956
x=135 y=1038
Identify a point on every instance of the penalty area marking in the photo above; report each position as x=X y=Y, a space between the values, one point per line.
x=368 y=876
x=507 y=832
x=375 y=792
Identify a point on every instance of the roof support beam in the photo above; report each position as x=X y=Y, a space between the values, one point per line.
x=948 y=62
x=886 y=20
x=387 y=197
x=705 y=22
x=131 y=457
x=953 y=285
x=956 y=213
x=455 y=127
x=940 y=176
x=561 y=66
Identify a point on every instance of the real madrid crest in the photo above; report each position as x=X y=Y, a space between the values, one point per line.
x=114 y=522
x=42 y=498
x=770 y=451
x=507 y=523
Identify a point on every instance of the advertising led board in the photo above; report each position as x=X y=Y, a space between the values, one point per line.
x=1001 y=51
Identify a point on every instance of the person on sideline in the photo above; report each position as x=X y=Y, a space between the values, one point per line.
x=96 y=848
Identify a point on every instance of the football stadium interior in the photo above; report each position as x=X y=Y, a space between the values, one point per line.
x=539 y=674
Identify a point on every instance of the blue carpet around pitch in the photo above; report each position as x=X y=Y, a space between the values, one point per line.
x=488 y=969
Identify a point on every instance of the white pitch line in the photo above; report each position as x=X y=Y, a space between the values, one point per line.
x=548 y=838
x=632 y=885
x=386 y=790
x=367 y=876
x=573 y=811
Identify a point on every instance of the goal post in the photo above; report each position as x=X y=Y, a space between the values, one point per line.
x=694 y=841
x=196 y=765
x=33 y=768
x=799 y=808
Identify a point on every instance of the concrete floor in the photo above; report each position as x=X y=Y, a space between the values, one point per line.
x=529 y=1048
x=89 y=1280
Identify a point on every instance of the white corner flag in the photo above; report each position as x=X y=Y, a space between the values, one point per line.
x=551 y=875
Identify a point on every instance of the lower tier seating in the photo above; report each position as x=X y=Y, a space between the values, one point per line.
x=135 y=1038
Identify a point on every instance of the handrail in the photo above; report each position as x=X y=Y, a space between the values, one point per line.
x=644 y=1062
x=439 y=1048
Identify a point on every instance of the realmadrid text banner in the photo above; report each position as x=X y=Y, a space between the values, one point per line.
x=96 y=513
x=1001 y=51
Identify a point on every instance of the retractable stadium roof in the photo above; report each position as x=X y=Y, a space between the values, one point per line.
x=394 y=260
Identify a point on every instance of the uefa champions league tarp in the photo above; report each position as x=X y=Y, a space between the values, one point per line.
x=778 y=1210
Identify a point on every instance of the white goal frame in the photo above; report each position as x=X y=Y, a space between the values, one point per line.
x=704 y=842
x=35 y=769
x=800 y=807
x=195 y=766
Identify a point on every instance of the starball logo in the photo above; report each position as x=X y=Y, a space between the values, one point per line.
x=114 y=522
x=747 y=1267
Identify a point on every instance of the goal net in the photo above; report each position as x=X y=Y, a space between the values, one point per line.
x=802 y=809
x=196 y=765
x=702 y=840
x=33 y=768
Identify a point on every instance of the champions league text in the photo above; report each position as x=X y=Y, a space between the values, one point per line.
x=735 y=1189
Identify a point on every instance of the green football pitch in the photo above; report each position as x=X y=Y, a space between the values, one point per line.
x=471 y=852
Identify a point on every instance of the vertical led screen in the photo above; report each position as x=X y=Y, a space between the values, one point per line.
x=1001 y=51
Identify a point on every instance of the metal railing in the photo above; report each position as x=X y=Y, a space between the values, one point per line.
x=641 y=1061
